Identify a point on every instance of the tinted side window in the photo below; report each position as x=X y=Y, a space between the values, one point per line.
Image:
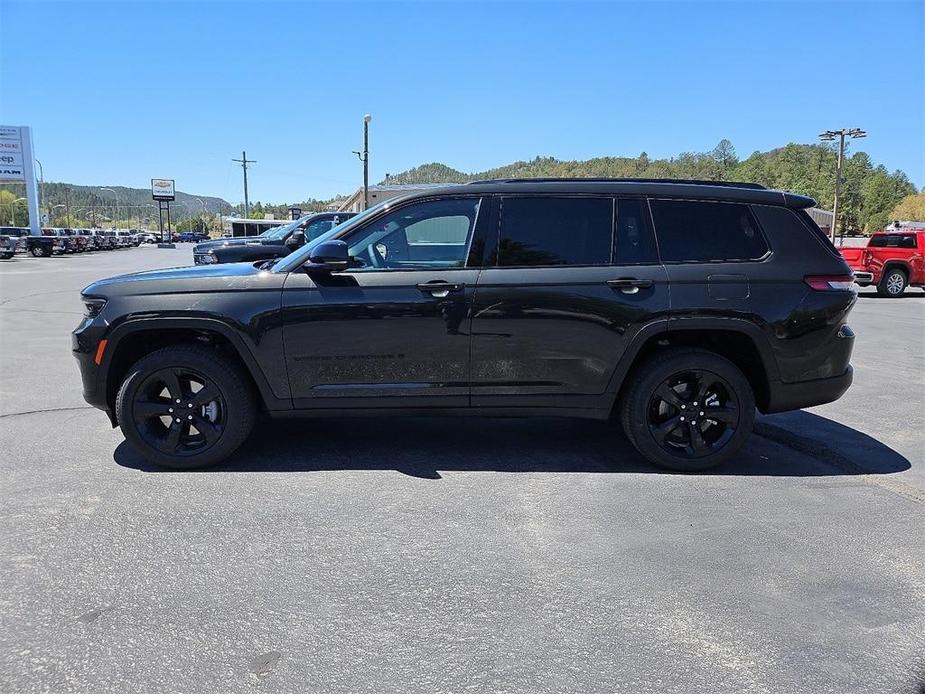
x=428 y=234
x=542 y=231
x=706 y=231
x=892 y=241
x=634 y=242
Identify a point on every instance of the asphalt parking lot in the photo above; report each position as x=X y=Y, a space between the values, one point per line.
x=427 y=555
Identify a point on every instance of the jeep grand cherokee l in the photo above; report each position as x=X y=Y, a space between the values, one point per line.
x=675 y=308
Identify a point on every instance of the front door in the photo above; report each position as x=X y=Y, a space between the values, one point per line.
x=393 y=330
x=574 y=279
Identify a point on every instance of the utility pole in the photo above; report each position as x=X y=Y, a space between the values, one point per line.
x=828 y=136
x=67 y=200
x=244 y=161
x=364 y=157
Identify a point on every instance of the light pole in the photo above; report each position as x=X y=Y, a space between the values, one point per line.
x=203 y=217
x=828 y=136
x=115 y=205
x=13 y=210
x=55 y=207
x=364 y=157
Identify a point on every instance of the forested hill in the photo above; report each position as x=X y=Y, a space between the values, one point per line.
x=111 y=203
x=869 y=194
x=130 y=197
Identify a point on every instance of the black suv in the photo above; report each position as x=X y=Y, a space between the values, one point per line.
x=676 y=307
x=273 y=243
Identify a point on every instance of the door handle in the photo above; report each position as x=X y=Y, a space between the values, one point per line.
x=629 y=285
x=439 y=290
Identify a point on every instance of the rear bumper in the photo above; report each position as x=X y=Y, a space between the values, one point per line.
x=864 y=277
x=794 y=396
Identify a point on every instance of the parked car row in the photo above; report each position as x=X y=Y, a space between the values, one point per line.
x=58 y=241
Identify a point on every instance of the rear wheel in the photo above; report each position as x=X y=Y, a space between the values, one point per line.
x=185 y=407
x=38 y=251
x=893 y=283
x=688 y=409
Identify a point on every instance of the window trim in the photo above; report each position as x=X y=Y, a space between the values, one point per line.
x=646 y=208
x=768 y=254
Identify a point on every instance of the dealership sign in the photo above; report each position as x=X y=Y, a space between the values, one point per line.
x=12 y=166
x=162 y=189
x=16 y=164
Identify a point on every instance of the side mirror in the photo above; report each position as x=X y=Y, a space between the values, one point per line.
x=296 y=240
x=329 y=257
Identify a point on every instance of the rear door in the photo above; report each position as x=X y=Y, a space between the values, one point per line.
x=570 y=283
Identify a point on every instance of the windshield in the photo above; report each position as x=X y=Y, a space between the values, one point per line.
x=280 y=232
x=293 y=260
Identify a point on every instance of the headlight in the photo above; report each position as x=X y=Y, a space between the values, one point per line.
x=93 y=306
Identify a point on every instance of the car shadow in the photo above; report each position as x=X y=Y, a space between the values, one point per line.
x=425 y=446
x=910 y=293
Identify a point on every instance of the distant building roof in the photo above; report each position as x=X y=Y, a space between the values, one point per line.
x=378 y=193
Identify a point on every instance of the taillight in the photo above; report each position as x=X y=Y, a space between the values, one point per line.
x=831 y=283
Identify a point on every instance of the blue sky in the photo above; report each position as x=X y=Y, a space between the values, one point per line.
x=119 y=93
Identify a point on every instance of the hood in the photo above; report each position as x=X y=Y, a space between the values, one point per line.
x=218 y=243
x=228 y=276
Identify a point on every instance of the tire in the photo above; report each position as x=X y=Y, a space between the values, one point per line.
x=228 y=416
x=893 y=283
x=645 y=415
x=38 y=251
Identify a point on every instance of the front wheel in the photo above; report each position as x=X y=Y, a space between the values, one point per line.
x=688 y=409
x=893 y=283
x=38 y=251
x=185 y=407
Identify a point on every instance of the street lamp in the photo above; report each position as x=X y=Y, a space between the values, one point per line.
x=55 y=207
x=115 y=205
x=364 y=157
x=13 y=210
x=199 y=200
x=828 y=136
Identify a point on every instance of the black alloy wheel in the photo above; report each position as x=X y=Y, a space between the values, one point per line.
x=186 y=406
x=687 y=409
x=179 y=412
x=693 y=414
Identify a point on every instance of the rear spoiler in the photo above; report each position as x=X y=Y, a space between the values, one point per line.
x=798 y=202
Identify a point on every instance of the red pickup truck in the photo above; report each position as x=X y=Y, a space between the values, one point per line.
x=892 y=260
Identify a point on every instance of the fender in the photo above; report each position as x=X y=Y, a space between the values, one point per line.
x=132 y=326
x=665 y=327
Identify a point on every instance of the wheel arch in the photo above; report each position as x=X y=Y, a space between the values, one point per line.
x=897 y=265
x=737 y=340
x=133 y=339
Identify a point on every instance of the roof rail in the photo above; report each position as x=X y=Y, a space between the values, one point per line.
x=688 y=181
